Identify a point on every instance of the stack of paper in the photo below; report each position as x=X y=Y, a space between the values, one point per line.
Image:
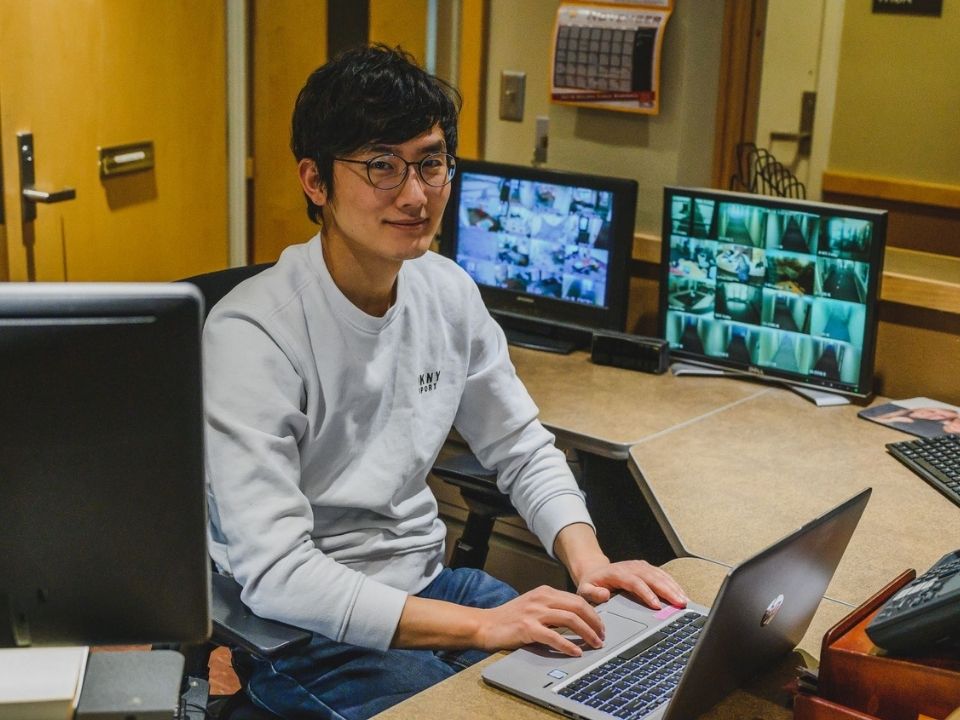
x=41 y=683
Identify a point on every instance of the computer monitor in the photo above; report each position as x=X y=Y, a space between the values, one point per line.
x=777 y=288
x=549 y=250
x=102 y=514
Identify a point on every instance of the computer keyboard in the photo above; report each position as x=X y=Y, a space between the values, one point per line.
x=936 y=460
x=642 y=677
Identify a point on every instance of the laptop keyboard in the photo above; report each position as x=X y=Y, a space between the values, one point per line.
x=644 y=676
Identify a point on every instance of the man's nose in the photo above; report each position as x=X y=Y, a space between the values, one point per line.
x=412 y=191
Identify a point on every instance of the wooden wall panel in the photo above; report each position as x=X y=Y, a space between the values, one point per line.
x=923 y=216
x=918 y=353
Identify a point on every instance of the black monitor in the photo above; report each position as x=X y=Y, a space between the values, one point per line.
x=777 y=288
x=102 y=514
x=549 y=250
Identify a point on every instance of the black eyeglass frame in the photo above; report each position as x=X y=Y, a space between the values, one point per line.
x=451 y=168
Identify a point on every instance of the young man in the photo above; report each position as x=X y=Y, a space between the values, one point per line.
x=320 y=431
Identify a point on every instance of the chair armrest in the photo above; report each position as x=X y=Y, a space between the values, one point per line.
x=235 y=624
x=478 y=485
x=465 y=471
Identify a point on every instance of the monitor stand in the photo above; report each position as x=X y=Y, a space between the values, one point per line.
x=539 y=342
x=820 y=398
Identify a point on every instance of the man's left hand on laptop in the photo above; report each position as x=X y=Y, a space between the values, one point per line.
x=596 y=577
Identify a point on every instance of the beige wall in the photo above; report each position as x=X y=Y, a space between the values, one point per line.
x=898 y=100
x=674 y=147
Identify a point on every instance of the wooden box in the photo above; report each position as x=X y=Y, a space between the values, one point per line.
x=857 y=681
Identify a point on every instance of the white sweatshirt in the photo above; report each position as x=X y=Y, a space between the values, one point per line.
x=323 y=421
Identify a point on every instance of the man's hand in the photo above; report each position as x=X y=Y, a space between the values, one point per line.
x=530 y=618
x=596 y=577
x=533 y=616
x=637 y=577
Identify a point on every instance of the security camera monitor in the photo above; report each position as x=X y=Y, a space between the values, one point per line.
x=549 y=250
x=778 y=288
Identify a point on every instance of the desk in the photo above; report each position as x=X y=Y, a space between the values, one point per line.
x=763 y=467
x=759 y=460
x=604 y=410
x=465 y=696
x=601 y=412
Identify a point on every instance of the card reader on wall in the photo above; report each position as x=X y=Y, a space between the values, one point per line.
x=634 y=352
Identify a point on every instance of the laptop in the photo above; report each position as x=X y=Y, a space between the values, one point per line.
x=676 y=663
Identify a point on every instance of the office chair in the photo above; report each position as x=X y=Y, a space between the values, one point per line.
x=246 y=634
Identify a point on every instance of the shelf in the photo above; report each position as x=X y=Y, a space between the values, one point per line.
x=921 y=279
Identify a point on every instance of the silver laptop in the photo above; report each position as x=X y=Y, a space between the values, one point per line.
x=677 y=663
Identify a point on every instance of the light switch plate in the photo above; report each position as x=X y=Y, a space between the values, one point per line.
x=512 y=86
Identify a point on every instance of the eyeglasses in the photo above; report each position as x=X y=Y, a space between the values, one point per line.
x=388 y=171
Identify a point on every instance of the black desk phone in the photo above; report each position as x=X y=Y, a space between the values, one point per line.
x=924 y=614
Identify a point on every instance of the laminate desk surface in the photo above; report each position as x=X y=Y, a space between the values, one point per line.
x=606 y=410
x=738 y=480
x=465 y=696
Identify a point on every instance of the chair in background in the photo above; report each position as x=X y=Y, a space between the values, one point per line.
x=759 y=172
x=214 y=285
x=246 y=634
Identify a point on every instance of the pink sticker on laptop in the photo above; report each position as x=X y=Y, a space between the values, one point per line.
x=665 y=612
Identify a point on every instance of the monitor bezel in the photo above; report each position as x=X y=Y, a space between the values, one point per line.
x=610 y=316
x=864 y=387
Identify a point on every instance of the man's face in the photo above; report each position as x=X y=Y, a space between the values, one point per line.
x=933 y=414
x=394 y=225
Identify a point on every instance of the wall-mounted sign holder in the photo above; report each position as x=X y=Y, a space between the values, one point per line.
x=122 y=159
x=608 y=56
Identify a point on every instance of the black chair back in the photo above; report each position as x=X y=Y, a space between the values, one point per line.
x=214 y=285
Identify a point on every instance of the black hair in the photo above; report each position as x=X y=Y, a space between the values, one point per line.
x=366 y=96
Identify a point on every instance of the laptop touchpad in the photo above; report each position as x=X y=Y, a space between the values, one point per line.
x=616 y=630
x=623 y=606
x=619 y=628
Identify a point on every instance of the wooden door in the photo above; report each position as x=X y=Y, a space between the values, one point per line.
x=289 y=42
x=800 y=55
x=102 y=73
x=400 y=23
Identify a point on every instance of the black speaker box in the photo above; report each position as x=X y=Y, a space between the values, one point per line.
x=134 y=685
x=633 y=352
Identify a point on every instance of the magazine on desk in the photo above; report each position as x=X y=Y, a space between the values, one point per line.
x=918 y=416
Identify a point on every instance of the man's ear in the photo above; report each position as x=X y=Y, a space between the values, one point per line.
x=311 y=183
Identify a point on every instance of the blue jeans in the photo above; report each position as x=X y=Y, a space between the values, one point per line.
x=336 y=681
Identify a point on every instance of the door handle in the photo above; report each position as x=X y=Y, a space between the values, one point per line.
x=803 y=138
x=30 y=195
x=42 y=196
x=791 y=136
